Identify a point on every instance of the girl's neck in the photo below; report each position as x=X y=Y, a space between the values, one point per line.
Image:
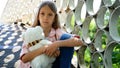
x=46 y=31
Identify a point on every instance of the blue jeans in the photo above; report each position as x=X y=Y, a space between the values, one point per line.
x=66 y=53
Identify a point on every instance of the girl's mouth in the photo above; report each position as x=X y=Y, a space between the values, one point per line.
x=46 y=22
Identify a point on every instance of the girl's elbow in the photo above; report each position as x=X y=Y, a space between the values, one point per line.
x=24 y=60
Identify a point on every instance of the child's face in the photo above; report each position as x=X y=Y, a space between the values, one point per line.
x=46 y=17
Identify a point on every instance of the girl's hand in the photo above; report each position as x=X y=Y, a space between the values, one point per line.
x=43 y=49
x=50 y=50
x=56 y=53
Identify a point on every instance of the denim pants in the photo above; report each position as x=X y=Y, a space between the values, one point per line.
x=66 y=53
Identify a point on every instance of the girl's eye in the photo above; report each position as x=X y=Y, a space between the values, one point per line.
x=42 y=13
x=50 y=14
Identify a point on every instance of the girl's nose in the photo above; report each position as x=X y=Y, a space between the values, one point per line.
x=45 y=17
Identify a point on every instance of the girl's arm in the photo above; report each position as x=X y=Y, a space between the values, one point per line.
x=69 y=42
x=63 y=43
x=30 y=55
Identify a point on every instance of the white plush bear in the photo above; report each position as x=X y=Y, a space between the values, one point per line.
x=34 y=36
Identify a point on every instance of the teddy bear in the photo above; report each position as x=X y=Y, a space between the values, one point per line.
x=35 y=39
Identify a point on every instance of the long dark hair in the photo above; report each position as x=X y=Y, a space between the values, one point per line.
x=52 y=6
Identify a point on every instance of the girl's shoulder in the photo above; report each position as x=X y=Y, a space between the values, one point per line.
x=59 y=30
x=55 y=34
x=59 y=33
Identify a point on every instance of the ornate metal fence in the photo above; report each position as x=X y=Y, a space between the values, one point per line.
x=93 y=20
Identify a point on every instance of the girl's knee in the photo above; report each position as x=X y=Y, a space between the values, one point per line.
x=65 y=36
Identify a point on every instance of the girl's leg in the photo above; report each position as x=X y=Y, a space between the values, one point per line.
x=66 y=53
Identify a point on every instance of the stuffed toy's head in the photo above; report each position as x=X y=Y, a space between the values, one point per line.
x=32 y=34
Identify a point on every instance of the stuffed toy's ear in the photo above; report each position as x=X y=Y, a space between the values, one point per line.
x=38 y=28
x=23 y=35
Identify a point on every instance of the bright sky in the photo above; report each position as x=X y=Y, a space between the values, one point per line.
x=2 y=5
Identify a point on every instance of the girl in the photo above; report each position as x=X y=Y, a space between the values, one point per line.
x=47 y=18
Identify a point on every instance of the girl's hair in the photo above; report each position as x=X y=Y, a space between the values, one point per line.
x=52 y=6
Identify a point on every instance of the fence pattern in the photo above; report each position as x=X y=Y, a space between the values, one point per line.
x=80 y=17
